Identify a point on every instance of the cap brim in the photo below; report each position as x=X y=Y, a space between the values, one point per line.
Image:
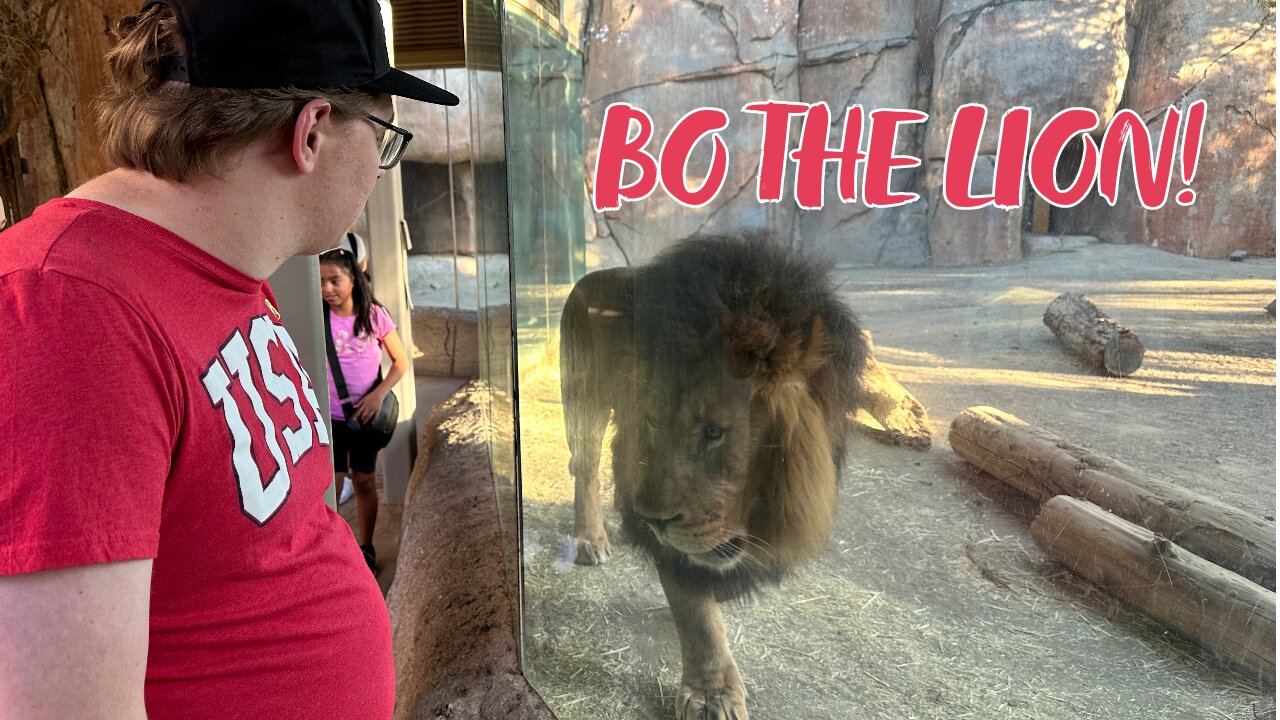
x=402 y=84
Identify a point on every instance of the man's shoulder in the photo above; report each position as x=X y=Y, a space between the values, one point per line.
x=29 y=244
x=76 y=241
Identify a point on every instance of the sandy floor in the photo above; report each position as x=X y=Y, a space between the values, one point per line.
x=932 y=600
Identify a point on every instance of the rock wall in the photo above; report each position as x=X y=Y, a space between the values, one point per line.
x=1048 y=56
x=1223 y=53
x=862 y=53
x=934 y=55
x=730 y=54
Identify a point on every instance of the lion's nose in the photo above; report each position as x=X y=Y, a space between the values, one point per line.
x=660 y=523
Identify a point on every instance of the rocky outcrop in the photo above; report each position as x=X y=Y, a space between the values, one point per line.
x=445 y=342
x=744 y=52
x=1048 y=56
x=1045 y=55
x=930 y=55
x=863 y=53
x=971 y=237
x=1223 y=53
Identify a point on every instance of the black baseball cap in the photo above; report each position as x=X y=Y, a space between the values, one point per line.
x=307 y=44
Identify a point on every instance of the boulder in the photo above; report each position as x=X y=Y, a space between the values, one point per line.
x=1034 y=244
x=640 y=230
x=971 y=237
x=742 y=52
x=445 y=342
x=1045 y=55
x=1223 y=53
x=866 y=54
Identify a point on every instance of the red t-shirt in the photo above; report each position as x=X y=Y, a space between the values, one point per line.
x=153 y=406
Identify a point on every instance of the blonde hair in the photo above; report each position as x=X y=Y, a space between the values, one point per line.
x=174 y=130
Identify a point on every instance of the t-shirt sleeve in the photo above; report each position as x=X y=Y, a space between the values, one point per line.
x=89 y=414
x=382 y=322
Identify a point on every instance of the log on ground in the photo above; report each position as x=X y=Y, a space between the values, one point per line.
x=1097 y=339
x=1229 y=616
x=1041 y=465
x=899 y=418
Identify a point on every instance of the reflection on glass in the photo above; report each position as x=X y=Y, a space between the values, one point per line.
x=488 y=198
x=684 y=418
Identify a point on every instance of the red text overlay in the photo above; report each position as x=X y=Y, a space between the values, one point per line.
x=867 y=142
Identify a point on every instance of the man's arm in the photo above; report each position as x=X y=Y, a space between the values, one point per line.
x=73 y=642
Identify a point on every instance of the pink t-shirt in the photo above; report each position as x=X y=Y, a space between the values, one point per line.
x=359 y=355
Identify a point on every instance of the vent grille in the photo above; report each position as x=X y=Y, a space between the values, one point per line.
x=428 y=34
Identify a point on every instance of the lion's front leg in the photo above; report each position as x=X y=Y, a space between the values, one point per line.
x=591 y=540
x=710 y=686
x=586 y=431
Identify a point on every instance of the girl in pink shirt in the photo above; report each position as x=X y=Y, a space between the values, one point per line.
x=361 y=329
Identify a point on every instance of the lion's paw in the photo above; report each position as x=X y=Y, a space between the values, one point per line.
x=698 y=701
x=591 y=551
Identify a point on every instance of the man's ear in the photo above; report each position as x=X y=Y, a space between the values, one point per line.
x=308 y=133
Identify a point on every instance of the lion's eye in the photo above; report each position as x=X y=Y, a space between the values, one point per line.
x=711 y=433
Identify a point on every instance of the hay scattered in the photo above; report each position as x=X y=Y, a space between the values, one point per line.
x=930 y=602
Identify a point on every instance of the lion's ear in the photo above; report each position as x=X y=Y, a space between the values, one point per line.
x=814 y=351
x=751 y=338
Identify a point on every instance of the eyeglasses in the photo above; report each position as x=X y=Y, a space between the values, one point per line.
x=391 y=142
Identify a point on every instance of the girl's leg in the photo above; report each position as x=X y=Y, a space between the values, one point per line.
x=338 y=476
x=366 y=504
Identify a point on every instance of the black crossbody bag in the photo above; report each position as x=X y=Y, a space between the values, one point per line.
x=382 y=427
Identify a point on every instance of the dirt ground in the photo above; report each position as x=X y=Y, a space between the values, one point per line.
x=932 y=600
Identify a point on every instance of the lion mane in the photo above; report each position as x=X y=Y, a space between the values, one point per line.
x=719 y=309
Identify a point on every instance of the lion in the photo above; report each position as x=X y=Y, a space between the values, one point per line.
x=729 y=366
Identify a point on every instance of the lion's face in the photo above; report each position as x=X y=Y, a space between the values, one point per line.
x=682 y=463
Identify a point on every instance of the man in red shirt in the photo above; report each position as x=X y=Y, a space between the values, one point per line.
x=165 y=551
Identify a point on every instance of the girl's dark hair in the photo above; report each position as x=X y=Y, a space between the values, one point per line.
x=361 y=294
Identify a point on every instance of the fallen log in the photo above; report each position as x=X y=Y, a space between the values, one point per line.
x=1041 y=465
x=1097 y=339
x=1227 y=615
x=899 y=418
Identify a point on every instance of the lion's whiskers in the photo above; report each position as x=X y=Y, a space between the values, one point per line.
x=757 y=543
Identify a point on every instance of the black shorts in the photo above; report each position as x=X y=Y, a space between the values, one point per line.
x=352 y=446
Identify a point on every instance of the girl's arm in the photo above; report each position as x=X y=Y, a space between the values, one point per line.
x=394 y=346
x=367 y=408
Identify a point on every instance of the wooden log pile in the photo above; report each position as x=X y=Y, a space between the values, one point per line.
x=1201 y=567
x=1229 y=616
x=1041 y=465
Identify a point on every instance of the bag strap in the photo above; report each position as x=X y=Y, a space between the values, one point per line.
x=335 y=368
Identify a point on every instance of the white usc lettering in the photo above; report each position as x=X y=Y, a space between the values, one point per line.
x=258 y=500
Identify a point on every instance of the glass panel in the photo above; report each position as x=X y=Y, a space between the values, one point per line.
x=486 y=192
x=878 y=567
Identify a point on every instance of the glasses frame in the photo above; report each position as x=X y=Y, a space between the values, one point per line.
x=397 y=130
